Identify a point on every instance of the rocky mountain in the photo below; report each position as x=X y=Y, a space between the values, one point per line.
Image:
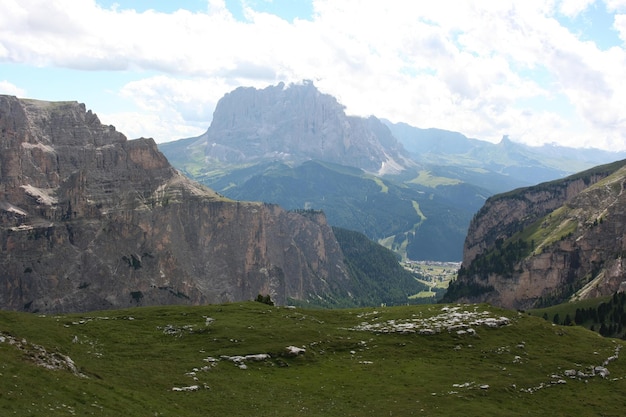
x=91 y=220
x=414 y=190
x=295 y=146
x=549 y=243
x=293 y=123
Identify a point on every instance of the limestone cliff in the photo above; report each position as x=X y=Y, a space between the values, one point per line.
x=545 y=244
x=91 y=220
x=296 y=123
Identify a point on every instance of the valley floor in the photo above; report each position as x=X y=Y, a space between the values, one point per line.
x=436 y=275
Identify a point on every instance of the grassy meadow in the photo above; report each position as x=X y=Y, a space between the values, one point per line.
x=429 y=360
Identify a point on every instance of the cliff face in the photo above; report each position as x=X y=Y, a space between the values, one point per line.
x=549 y=243
x=298 y=123
x=90 y=220
x=505 y=214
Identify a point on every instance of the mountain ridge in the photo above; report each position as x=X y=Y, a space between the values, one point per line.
x=91 y=220
x=541 y=245
x=528 y=165
x=298 y=123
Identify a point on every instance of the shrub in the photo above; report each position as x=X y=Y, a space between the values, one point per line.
x=265 y=299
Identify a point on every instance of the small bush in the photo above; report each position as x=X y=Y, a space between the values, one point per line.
x=265 y=299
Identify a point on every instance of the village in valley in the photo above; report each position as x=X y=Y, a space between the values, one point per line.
x=437 y=275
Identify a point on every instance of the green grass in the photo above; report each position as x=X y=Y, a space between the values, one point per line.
x=423 y=294
x=416 y=206
x=132 y=365
x=549 y=229
x=427 y=179
x=383 y=187
x=564 y=309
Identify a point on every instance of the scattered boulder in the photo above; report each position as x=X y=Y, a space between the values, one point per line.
x=189 y=388
x=295 y=351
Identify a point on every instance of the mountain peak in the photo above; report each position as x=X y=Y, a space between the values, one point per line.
x=506 y=141
x=298 y=123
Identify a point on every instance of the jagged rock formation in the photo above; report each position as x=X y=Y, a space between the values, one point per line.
x=545 y=244
x=91 y=220
x=297 y=123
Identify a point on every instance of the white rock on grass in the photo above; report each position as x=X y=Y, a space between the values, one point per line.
x=295 y=351
x=189 y=388
x=451 y=319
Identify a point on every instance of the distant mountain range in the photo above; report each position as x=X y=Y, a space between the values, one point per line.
x=413 y=190
x=520 y=164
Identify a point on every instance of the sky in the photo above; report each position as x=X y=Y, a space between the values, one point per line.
x=539 y=71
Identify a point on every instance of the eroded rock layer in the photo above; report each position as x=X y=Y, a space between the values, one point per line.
x=90 y=220
x=549 y=243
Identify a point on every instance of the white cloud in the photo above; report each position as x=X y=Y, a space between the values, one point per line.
x=620 y=25
x=7 y=88
x=466 y=66
x=162 y=127
x=616 y=5
x=572 y=8
x=171 y=108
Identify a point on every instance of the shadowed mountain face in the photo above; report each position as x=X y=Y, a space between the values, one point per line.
x=550 y=243
x=90 y=220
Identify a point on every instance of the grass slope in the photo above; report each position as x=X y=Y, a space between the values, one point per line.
x=355 y=363
x=605 y=315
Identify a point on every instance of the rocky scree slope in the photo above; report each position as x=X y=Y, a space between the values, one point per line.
x=90 y=220
x=542 y=245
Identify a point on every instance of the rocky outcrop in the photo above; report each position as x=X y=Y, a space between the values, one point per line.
x=91 y=220
x=546 y=244
x=296 y=123
x=505 y=214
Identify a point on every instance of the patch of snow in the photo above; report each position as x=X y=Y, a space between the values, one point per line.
x=390 y=166
x=41 y=195
x=21 y=228
x=41 y=146
x=8 y=207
